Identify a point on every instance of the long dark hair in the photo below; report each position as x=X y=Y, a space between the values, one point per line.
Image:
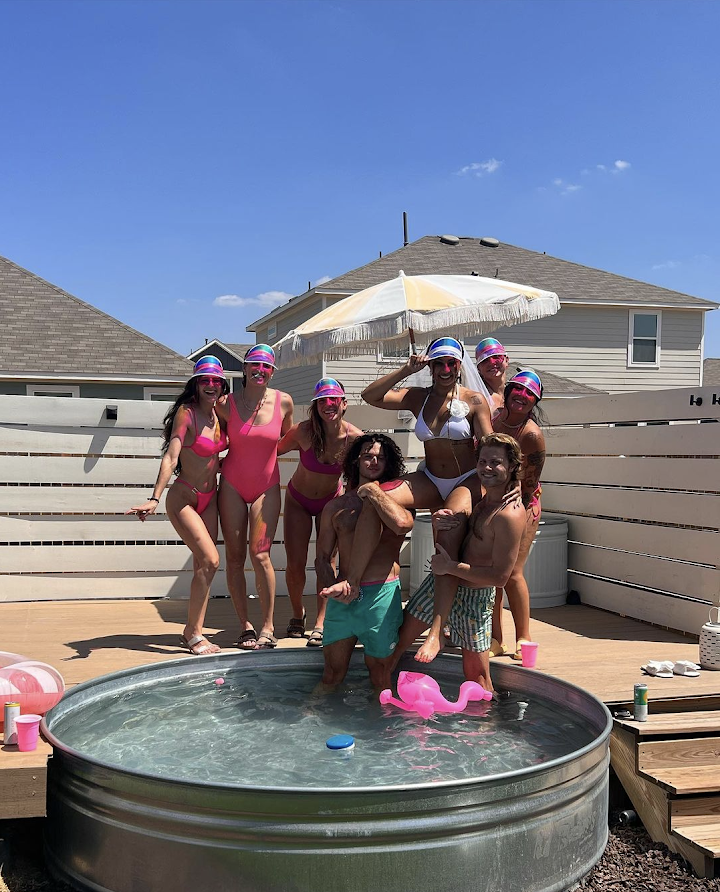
x=317 y=429
x=536 y=414
x=394 y=463
x=189 y=397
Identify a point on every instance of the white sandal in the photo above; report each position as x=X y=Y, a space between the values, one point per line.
x=203 y=651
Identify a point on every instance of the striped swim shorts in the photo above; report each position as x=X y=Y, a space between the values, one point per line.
x=470 y=619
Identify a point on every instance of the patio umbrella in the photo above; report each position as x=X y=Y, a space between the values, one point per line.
x=386 y=313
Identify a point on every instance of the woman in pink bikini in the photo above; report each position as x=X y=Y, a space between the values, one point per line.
x=256 y=418
x=322 y=442
x=193 y=441
x=518 y=417
x=492 y=362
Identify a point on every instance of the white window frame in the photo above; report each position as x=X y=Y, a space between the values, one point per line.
x=172 y=393
x=389 y=360
x=631 y=336
x=66 y=390
x=272 y=331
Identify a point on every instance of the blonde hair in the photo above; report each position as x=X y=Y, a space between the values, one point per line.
x=512 y=449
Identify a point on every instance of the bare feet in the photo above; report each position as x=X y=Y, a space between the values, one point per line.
x=431 y=647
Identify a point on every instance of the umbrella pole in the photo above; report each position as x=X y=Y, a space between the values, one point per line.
x=413 y=351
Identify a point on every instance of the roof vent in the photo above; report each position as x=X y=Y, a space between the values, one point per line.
x=489 y=242
x=449 y=240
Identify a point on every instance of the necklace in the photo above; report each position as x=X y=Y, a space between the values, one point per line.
x=512 y=427
x=259 y=405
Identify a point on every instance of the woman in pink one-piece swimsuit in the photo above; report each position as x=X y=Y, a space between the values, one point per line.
x=256 y=417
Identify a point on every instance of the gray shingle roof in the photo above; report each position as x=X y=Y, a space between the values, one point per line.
x=571 y=281
x=711 y=373
x=552 y=383
x=45 y=330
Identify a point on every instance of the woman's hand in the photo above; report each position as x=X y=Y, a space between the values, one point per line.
x=513 y=495
x=441 y=563
x=416 y=362
x=142 y=511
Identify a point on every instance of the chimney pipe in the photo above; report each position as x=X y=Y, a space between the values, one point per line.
x=405 y=234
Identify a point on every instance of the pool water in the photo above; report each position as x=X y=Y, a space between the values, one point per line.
x=268 y=727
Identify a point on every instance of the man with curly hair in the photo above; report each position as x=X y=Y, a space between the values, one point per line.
x=370 y=613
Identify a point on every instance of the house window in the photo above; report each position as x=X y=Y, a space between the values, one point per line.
x=71 y=390
x=644 y=339
x=161 y=393
x=395 y=353
x=272 y=331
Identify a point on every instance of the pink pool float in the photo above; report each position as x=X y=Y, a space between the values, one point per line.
x=37 y=687
x=421 y=694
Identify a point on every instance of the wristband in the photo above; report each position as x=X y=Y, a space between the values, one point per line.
x=153 y=499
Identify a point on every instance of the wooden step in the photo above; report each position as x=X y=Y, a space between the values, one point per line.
x=704 y=835
x=695 y=825
x=686 y=781
x=664 y=724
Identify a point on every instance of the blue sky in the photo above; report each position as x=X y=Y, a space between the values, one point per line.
x=156 y=156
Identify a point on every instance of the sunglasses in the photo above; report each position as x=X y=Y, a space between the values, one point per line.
x=265 y=366
x=207 y=380
x=331 y=400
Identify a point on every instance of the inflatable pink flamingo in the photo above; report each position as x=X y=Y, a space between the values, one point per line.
x=421 y=694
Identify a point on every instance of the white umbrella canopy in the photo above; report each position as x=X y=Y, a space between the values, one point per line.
x=461 y=306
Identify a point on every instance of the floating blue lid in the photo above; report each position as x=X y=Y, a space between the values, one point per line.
x=340 y=742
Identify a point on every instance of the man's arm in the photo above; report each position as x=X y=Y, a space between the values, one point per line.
x=391 y=514
x=508 y=527
x=325 y=547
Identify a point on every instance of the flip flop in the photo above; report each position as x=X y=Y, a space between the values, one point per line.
x=265 y=641
x=191 y=646
x=497 y=649
x=315 y=639
x=248 y=640
x=296 y=627
x=518 y=650
x=686 y=667
x=659 y=668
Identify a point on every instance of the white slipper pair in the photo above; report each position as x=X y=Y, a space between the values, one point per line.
x=666 y=668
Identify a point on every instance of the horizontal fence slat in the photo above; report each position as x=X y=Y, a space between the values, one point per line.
x=64 y=412
x=72 y=469
x=661 y=610
x=679 y=508
x=652 y=572
x=700 y=546
x=79 y=441
x=651 y=405
x=177 y=585
x=675 y=439
x=701 y=475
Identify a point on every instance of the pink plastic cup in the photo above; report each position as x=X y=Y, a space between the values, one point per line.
x=28 y=731
x=529 y=651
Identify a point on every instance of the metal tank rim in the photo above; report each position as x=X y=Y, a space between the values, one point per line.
x=501 y=675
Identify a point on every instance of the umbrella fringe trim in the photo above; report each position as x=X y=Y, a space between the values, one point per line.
x=342 y=343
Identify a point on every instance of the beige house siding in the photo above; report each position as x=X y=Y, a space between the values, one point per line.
x=287 y=321
x=589 y=345
x=299 y=382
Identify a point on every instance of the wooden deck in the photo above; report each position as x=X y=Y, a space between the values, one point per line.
x=596 y=650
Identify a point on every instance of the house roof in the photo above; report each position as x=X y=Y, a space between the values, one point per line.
x=711 y=373
x=237 y=350
x=47 y=331
x=448 y=255
x=555 y=384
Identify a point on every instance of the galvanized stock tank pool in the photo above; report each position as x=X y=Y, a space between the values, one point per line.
x=163 y=778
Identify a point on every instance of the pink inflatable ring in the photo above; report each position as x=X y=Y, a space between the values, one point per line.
x=37 y=687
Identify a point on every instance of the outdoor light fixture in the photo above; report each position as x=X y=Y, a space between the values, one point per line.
x=111 y=413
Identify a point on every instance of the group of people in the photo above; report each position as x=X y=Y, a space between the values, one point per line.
x=483 y=457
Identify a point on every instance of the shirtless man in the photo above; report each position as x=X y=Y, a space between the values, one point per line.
x=372 y=612
x=487 y=557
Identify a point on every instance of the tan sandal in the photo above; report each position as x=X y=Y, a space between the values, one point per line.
x=196 y=647
x=497 y=649
x=518 y=649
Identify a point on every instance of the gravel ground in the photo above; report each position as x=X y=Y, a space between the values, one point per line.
x=631 y=862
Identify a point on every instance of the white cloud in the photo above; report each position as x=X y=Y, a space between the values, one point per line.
x=621 y=165
x=601 y=167
x=570 y=188
x=321 y=281
x=267 y=299
x=557 y=182
x=667 y=264
x=480 y=168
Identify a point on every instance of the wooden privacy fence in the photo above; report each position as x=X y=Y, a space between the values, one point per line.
x=638 y=478
x=67 y=475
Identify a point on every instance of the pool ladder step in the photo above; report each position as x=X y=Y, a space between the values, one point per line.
x=670 y=768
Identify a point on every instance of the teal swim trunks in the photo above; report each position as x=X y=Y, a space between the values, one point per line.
x=470 y=619
x=374 y=619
